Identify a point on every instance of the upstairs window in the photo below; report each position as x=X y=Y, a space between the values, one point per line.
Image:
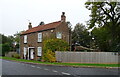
x=39 y=51
x=25 y=38
x=59 y=35
x=39 y=37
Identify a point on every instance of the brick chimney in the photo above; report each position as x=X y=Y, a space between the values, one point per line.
x=29 y=26
x=63 y=17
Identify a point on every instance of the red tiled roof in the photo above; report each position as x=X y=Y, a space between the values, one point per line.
x=42 y=27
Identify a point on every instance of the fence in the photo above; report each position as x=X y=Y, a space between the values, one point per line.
x=87 y=57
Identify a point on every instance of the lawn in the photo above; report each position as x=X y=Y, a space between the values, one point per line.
x=64 y=64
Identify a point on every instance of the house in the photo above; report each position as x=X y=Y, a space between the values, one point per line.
x=31 y=40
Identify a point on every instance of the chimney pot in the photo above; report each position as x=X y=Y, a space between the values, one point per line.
x=63 y=13
x=29 y=26
x=63 y=17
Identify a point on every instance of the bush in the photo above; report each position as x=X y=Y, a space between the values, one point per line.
x=15 y=55
x=52 y=45
x=5 y=48
x=49 y=56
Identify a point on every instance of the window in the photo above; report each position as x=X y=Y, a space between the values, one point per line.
x=39 y=37
x=25 y=51
x=25 y=38
x=59 y=35
x=39 y=51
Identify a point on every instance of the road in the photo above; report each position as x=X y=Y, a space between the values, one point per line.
x=17 y=68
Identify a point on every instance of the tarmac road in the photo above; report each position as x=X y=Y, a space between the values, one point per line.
x=17 y=68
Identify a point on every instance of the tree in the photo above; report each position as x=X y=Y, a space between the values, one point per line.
x=80 y=35
x=101 y=37
x=7 y=43
x=17 y=39
x=3 y=39
x=10 y=41
x=106 y=14
x=5 y=48
x=70 y=34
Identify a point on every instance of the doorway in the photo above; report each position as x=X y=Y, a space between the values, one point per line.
x=31 y=53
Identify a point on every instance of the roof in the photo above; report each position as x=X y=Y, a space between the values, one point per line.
x=83 y=48
x=43 y=27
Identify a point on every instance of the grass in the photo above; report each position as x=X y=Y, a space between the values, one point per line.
x=66 y=64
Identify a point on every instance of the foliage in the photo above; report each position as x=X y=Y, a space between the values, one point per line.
x=3 y=39
x=80 y=35
x=101 y=37
x=49 y=56
x=52 y=45
x=5 y=48
x=11 y=42
x=15 y=55
x=106 y=14
x=56 y=45
x=17 y=37
x=7 y=40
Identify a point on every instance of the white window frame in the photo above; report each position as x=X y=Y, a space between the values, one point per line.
x=25 y=38
x=39 y=37
x=59 y=35
x=39 y=51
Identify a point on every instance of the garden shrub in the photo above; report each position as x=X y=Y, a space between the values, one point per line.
x=50 y=56
x=52 y=45
x=15 y=55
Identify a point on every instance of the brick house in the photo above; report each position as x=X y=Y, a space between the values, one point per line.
x=31 y=41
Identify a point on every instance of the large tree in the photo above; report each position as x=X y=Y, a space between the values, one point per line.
x=80 y=35
x=106 y=14
x=101 y=39
x=6 y=44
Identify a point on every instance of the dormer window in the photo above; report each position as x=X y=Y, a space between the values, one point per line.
x=59 y=35
x=39 y=37
x=25 y=38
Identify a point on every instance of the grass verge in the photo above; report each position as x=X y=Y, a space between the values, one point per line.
x=65 y=64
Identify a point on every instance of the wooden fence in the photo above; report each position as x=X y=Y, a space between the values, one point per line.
x=87 y=57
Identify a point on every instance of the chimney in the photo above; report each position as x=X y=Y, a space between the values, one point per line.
x=63 y=17
x=29 y=26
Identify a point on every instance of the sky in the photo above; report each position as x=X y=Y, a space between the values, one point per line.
x=16 y=14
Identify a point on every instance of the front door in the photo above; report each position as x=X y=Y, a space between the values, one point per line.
x=31 y=53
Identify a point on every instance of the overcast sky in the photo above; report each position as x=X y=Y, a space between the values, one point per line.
x=14 y=14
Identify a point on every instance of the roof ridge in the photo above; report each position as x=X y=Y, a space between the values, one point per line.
x=42 y=27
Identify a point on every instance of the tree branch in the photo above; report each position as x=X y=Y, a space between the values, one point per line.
x=117 y=18
x=112 y=9
x=106 y=13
